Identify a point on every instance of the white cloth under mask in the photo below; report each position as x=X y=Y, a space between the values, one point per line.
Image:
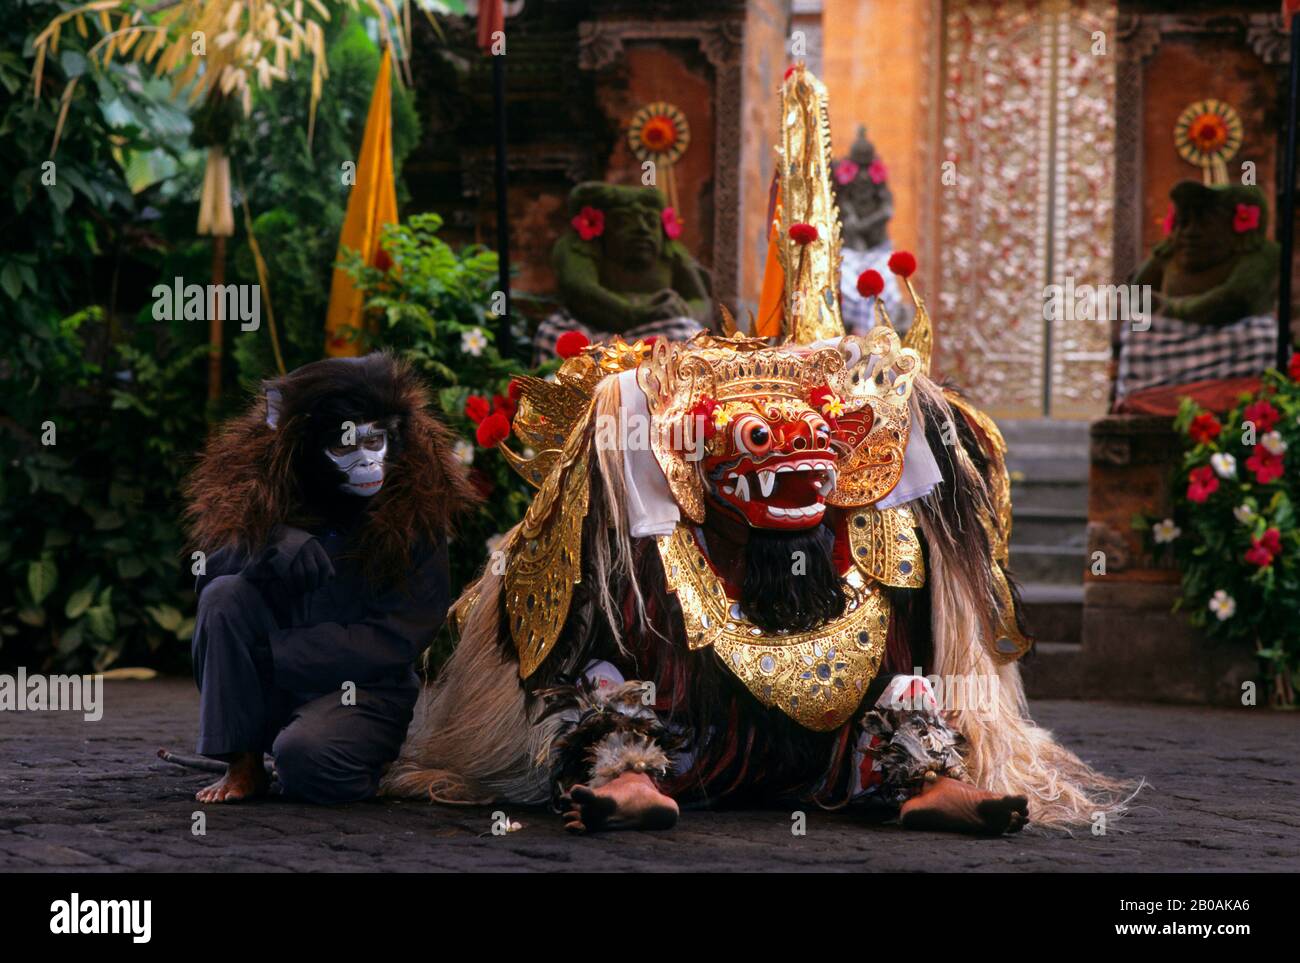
x=651 y=509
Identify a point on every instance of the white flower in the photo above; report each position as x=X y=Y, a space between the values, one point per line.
x=1274 y=443
x=1225 y=466
x=1223 y=605
x=463 y=451
x=1166 y=531
x=1244 y=514
x=473 y=341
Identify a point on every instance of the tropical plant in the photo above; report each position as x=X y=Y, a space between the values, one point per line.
x=1234 y=532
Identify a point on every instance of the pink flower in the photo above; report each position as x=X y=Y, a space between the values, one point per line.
x=877 y=172
x=1202 y=483
x=845 y=171
x=672 y=226
x=1246 y=218
x=590 y=223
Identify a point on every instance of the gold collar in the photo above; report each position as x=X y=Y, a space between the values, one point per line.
x=819 y=677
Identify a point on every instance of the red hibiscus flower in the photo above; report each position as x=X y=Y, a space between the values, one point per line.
x=672 y=226
x=1202 y=483
x=704 y=408
x=1204 y=428
x=1272 y=540
x=1246 y=218
x=590 y=223
x=477 y=408
x=870 y=283
x=1264 y=416
x=803 y=233
x=1258 y=555
x=1266 y=465
x=1293 y=369
x=492 y=430
x=571 y=343
x=1265 y=549
x=505 y=405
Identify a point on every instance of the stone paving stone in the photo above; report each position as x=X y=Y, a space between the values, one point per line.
x=1223 y=795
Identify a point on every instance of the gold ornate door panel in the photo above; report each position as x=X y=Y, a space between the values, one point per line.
x=1027 y=148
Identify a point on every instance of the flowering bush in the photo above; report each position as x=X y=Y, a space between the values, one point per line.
x=1234 y=532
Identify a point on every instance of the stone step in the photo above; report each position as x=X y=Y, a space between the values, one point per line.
x=1049 y=465
x=1065 y=527
x=1047 y=431
x=1051 y=671
x=1057 y=496
x=1053 y=564
x=1053 y=612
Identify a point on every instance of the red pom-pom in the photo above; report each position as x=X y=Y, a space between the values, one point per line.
x=570 y=343
x=704 y=409
x=505 y=405
x=477 y=408
x=902 y=263
x=516 y=390
x=803 y=233
x=870 y=283
x=492 y=430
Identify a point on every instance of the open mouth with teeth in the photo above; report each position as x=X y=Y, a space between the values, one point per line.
x=786 y=491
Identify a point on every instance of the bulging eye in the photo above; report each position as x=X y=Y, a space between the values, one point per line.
x=753 y=435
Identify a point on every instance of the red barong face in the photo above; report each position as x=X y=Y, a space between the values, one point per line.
x=770 y=463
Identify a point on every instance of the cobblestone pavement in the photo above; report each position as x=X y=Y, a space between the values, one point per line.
x=93 y=796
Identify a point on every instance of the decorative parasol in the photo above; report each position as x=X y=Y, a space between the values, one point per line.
x=659 y=133
x=1208 y=134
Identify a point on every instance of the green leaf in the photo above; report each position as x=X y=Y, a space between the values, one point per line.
x=101 y=622
x=11 y=279
x=42 y=576
x=167 y=617
x=131 y=566
x=32 y=617
x=81 y=599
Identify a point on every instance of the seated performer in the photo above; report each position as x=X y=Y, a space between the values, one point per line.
x=621 y=271
x=745 y=569
x=323 y=512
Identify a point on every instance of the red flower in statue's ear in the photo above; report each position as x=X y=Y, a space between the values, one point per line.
x=571 y=343
x=672 y=226
x=1293 y=369
x=877 y=171
x=803 y=233
x=1204 y=428
x=1171 y=215
x=828 y=403
x=492 y=430
x=477 y=408
x=1201 y=484
x=902 y=263
x=706 y=408
x=1246 y=218
x=870 y=283
x=590 y=223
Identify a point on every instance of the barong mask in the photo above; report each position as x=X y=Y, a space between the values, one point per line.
x=360 y=457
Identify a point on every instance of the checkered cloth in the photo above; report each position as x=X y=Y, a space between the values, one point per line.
x=859 y=316
x=1173 y=352
x=549 y=331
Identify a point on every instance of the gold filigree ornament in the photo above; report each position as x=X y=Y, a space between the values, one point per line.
x=885 y=548
x=817 y=678
x=812 y=270
x=729 y=371
x=875 y=385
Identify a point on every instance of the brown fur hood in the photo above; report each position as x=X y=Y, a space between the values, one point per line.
x=249 y=476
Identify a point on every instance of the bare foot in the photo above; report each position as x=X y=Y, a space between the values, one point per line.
x=630 y=801
x=245 y=778
x=950 y=806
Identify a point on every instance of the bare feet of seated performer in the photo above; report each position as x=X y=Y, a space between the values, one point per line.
x=323 y=514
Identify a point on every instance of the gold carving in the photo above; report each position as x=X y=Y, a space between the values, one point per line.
x=885 y=548
x=818 y=678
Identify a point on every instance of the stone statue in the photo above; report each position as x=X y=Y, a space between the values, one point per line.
x=1216 y=265
x=866 y=204
x=1213 y=286
x=621 y=270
